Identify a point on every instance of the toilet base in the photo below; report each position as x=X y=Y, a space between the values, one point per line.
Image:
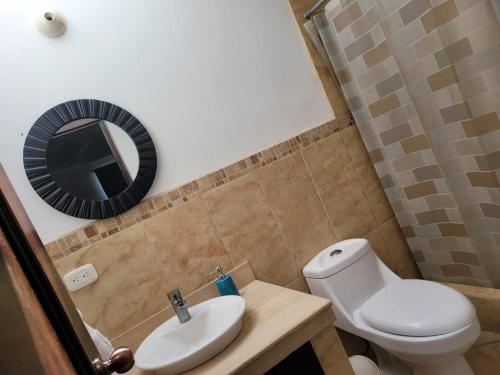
x=392 y=365
x=453 y=366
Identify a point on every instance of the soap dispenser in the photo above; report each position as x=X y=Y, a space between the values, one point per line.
x=225 y=283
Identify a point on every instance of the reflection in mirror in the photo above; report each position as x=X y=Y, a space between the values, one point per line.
x=92 y=159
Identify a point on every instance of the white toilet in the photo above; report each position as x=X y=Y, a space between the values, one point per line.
x=417 y=327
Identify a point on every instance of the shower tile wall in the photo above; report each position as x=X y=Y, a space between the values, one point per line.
x=422 y=78
x=275 y=209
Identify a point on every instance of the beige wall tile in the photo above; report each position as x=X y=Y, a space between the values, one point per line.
x=188 y=245
x=299 y=284
x=481 y=125
x=249 y=231
x=377 y=54
x=384 y=105
x=439 y=15
x=414 y=144
x=484 y=359
x=375 y=193
x=355 y=146
x=404 y=264
x=339 y=187
x=377 y=241
x=444 y=78
x=296 y=206
x=132 y=284
x=420 y=190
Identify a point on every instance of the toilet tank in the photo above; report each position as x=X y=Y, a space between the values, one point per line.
x=347 y=273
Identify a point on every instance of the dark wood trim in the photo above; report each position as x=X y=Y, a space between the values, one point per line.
x=44 y=281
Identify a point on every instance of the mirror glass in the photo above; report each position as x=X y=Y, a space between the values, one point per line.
x=92 y=159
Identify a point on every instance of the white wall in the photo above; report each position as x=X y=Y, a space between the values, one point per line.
x=213 y=81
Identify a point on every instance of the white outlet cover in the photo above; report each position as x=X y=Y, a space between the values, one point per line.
x=80 y=277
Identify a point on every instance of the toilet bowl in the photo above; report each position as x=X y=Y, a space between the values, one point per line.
x=416 y=326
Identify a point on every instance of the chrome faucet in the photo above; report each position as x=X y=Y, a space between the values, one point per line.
x=180 y=306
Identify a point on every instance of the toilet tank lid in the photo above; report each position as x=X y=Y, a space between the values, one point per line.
x=335 y=258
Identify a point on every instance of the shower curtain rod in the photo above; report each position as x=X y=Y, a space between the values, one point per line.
x=313 y=7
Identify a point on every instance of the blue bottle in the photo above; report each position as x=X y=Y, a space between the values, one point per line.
x=225 y=283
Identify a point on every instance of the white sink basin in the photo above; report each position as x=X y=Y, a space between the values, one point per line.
x=174 y=347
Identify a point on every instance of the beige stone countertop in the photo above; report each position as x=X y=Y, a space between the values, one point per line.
x=277 y=321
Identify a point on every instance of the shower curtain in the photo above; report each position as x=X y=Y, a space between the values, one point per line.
x=422 y=80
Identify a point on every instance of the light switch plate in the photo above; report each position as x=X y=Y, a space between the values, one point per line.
x=80 y=277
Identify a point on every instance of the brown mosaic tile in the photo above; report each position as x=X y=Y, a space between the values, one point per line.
x=91 y=231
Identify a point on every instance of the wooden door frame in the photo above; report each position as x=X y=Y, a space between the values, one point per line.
x=44 y=281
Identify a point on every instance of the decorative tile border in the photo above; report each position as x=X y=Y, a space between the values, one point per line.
x=152 y=206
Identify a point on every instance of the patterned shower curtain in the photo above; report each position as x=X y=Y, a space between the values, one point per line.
x=422 y=80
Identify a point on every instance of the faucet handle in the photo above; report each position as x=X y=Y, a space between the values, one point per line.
x=175 y=297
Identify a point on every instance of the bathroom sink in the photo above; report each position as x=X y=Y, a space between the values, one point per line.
x=173 y=347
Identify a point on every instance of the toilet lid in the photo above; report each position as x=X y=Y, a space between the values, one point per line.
x=417 y=308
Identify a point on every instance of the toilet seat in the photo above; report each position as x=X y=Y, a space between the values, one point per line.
x=417 y=308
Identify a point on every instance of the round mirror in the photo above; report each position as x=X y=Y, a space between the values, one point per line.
x=89 y=159
x=92 y=159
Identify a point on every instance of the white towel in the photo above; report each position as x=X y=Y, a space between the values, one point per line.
x=101 y=342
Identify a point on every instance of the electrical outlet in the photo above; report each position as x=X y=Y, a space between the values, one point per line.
x=80 y=277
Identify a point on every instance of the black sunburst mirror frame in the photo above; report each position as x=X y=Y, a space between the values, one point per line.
x=35 y=163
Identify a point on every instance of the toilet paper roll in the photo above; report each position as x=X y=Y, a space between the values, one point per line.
x=50 y=24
